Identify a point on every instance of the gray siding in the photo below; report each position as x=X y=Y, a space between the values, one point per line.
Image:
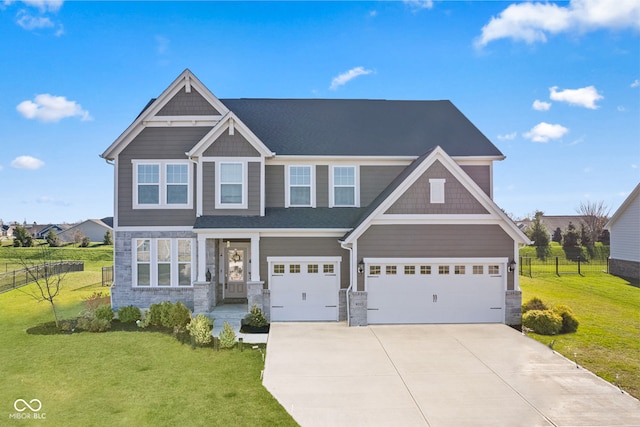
x=159 y=144
x=435 y=241
x=481 y=175
x=188 y=104
x=458 y=200
x=274 y=186
x=374 y=179
x=302 y=246
x=322 y=186
x=209 y=193
x=234 y=145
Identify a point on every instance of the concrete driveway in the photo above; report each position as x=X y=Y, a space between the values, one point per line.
x=327 y=374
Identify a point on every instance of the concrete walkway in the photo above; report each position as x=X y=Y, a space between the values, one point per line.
x=233 y=314
x=327 y=374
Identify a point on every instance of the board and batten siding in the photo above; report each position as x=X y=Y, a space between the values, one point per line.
x=156 y=144
x=435 y=241
x=209 y=191
x=188 y=104
x=302 y=246
x=625 y=233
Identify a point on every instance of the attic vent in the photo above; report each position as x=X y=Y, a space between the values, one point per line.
x=436 y=190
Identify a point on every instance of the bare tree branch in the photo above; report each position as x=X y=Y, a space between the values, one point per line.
x=594 y=216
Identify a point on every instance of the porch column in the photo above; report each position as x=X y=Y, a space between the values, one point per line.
x=202 y=258
x=255 y=258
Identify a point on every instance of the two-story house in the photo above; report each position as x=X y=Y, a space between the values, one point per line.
x=369 y=211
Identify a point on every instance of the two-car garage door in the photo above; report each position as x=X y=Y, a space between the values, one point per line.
x=435 y=290
x=304 y=288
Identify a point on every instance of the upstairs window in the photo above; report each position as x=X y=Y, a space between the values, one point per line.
x=436 y=190
x=231 y=186
x=300 y=180
x=161 y=185
x=344 y=180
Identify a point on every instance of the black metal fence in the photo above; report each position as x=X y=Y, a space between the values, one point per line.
x=107 y=275
x=558 y=265
x=17 y=278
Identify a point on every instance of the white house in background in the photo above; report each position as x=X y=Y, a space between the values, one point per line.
x=624 y=227
x=94 y=229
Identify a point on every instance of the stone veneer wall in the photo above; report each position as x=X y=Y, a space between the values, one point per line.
x=342 y=305
x=123 y=293
x=626 y=269
x=358 y=309
x=513 y=306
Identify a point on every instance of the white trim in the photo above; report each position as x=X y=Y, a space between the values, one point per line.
x=162 y=183
x=243 y=233
x=245 y=184
x=312 y=259
x=436 y=190
x=280 y=160
x=116 y=194
x=447 y=260
x=356 y=185
x=153 y=228
x=263 y=194
x=231 y=159
x=182 y=121
x=153 y=262
x=312 y=186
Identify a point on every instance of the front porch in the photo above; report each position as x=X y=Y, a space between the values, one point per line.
x=233 y=314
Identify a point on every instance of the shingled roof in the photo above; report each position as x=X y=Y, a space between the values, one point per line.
x=360 y=127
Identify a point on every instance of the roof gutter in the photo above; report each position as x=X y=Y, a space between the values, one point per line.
x=350 y=249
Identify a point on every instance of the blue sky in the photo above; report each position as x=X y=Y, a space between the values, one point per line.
x=555 y=86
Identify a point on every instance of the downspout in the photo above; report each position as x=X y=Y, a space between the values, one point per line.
x=350 y=279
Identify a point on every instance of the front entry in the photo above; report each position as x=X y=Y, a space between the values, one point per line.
x=236 y=263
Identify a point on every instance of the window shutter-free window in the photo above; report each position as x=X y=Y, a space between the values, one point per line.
x=231 y=181
x=148 y=184
x=300 y=185
x=177 y=184
x=344 y=186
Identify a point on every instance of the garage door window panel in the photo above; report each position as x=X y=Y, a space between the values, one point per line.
x=409 y=270
x=312 y=268
x=425 y=269
x=478 y=269
x=391 y=270
x=374 y=270
x=494 y=270
x=443 y=269
x=328 y=269
x=294 y=268
x=459 y=269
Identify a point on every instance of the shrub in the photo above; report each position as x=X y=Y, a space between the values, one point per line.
x=227 y=336
x=256 y=318
x=569 y=322
x=85 y=242
x=95 y=300
x=108 y=239
x=104 y=312
x=200 y=329
x=169 y=315
x=534 y=303
x=129 y=314
x=543 y=322
x=93 y=324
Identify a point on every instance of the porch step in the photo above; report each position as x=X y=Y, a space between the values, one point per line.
x=234 y=301
x=233 y=314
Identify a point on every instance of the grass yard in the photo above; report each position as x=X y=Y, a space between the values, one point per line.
x=123 y=378
x=608 y=339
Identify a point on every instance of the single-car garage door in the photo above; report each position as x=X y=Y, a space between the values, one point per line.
x=436 y=290
x=304 y=288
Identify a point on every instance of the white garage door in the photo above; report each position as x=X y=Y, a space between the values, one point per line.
x=435 y=290
x=304 y=289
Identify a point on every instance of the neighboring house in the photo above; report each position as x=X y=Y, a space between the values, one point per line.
x=6 y=230
x=552 y=222
x=94 y=229
x=369 y=211
x=40 y=231
x=624 y=228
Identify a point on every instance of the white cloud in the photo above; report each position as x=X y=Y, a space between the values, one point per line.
x=1 y=168
x=347 y=76
x=417 y=5
x=51 y=201
x=508 y=137
x=29 y=22
x=583 y=97
x=49 y=108
x=27 y=162
x=543 y=132
x=541 y=105
x=635 y=83
x=634 y=166
x=621 y=108
x=532 y=22
x=45 y=5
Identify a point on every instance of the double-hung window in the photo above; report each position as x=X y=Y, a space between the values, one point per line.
x=161 y=184
x=231 y=185
x=300 y=180
x=344 y=191
x=163 y=262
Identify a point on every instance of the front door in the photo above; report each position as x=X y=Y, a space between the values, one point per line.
x=236 y=265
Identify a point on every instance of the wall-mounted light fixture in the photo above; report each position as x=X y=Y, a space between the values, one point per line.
x=512 y=266
x=361 y=267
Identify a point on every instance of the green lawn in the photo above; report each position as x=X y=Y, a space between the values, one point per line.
x=123 y=378
x=608 y=339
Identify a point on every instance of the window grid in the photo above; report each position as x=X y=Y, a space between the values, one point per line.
x=344 y=186
x=374 y=270
x=294 y=268
x=328 y=268
x=163 y=262
x=494 y=269
x=478 y=269
x=312 y=268
x=425 y=269
x=459 y=269
x=300 y=185
x=231 y=183
x=443 y=269
x=409 y=269
x=391 y=270
x=278 y=269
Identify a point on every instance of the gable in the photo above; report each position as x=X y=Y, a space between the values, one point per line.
x=186 y=103
x=417 y=198
x=235 y=145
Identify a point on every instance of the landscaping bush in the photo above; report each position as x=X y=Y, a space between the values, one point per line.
x=227 y=336
x=93 y=324
x=534 y=303
x=255 y=318
x=169 y=315
x=569 y=322
x=200 y=329
x=129 y=314
x=543 y=322
x=104 y=312
x=95 y=300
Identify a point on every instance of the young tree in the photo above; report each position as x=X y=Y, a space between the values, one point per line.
x=48 y=276
x=538 y=233
x=594 y=216
x=21 y=237
x=78 y=236
x=108 y=240
x=52 y=239
x=557 y=236
x=571 y=238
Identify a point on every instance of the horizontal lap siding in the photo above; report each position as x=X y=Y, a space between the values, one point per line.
x=322 y=186
x=374 y=179
x=188 y=104
x=234 y=145
x=209 y=196
x=156 y=144
x=435 y=241
x=625 y=244
x=481 y=175
x=274 y=186
x=303 y=246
